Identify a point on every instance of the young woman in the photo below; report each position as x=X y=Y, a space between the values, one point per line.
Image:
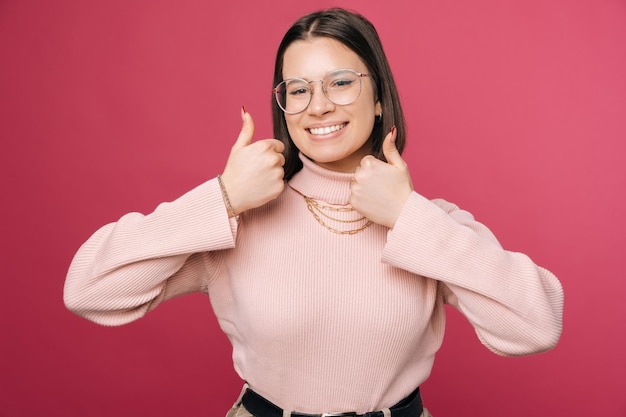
x=326 y=270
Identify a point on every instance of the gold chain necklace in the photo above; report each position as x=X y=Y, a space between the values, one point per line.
x=323 y=214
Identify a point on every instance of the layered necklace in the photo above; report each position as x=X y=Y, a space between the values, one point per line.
x=343 y=220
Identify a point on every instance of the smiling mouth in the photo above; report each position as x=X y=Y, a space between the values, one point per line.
x=318 y=131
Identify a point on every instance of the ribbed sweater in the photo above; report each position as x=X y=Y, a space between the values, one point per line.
x=320 y=321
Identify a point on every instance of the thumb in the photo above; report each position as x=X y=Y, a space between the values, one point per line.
x=247 y=130
x=389 y=148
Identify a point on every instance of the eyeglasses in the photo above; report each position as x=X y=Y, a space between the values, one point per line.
x=342 y=87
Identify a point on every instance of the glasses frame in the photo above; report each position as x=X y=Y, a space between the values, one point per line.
x=358 y=74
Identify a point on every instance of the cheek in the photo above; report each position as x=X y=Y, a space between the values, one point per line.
x=289 y=120
x=292 y=129
x=367 y=119
x=365 y=134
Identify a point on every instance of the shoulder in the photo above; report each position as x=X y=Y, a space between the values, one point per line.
x=445 y=205
x=439 y=208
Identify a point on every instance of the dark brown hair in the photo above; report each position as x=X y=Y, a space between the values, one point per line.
x=359 y=35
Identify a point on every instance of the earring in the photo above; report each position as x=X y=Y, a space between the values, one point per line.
x=379 y=117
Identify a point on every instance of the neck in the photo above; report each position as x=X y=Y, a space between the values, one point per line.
x=320 y=183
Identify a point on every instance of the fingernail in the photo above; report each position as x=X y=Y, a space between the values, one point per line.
x=393 y=131
x=243 y=110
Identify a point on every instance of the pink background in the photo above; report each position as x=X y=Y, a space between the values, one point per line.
x=516 y=112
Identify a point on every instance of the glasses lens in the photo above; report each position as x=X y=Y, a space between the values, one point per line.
x=293 y=95
x=343 y=86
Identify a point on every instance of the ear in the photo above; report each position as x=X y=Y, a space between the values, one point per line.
x=378 y=108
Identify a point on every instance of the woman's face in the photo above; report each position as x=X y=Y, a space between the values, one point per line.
x=341 y=148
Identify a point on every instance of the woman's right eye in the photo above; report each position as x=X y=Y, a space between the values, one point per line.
x=298 y=91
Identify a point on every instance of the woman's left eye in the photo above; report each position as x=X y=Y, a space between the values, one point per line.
x=341 y=83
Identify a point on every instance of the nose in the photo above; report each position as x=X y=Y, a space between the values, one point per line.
x=320 y=104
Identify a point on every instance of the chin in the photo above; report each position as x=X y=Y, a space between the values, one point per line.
x=340 y=163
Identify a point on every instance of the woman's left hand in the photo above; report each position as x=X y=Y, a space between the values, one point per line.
x=380 y=189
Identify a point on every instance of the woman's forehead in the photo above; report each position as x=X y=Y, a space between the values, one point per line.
x=313 y=58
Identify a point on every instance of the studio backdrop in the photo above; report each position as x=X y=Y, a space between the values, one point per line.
x=516 y=112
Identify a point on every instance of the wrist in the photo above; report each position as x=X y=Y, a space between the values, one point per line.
x=229 y=207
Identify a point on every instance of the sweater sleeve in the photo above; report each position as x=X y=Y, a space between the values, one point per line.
x=515 y=306
x=127 y=268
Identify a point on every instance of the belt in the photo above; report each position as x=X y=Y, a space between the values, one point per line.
x=258 y=406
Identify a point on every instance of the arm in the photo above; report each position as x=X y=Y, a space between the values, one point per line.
x=514 y=305
x=127 y=268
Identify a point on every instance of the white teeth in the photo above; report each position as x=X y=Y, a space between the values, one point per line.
x=325 y=130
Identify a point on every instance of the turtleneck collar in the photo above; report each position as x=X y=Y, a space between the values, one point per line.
x=322 y=184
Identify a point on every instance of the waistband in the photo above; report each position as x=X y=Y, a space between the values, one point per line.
x=411 y=406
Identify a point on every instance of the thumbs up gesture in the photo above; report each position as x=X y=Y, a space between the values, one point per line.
x=253 y=174
x=380 y=189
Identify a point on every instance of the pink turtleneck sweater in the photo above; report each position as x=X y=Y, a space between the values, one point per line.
x=320 y=321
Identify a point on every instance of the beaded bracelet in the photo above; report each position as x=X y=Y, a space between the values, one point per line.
x=226 y=199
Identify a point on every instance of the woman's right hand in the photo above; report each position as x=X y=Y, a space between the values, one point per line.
x=254 y=172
